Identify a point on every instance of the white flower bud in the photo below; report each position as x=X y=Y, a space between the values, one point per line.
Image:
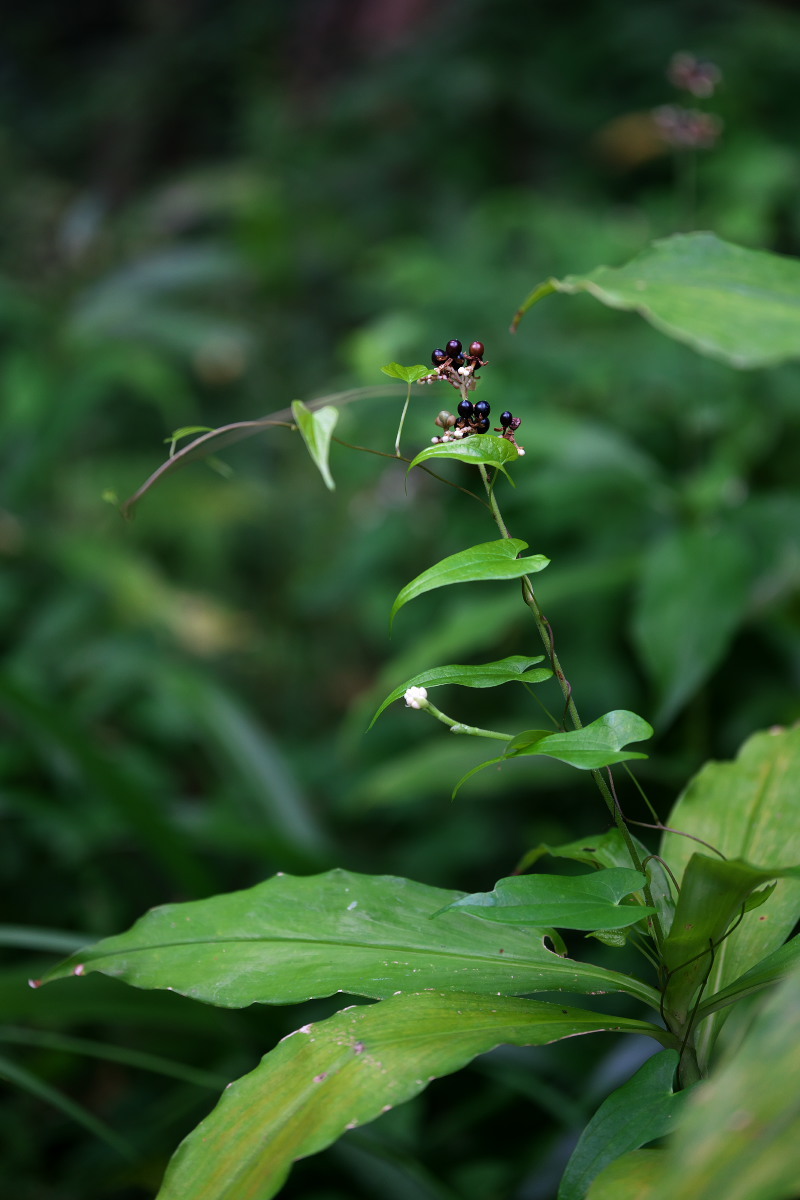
x=416 y=697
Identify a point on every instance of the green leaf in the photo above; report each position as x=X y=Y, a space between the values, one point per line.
x=506 y=670
x=335 y=1075
x=316 y=428
x=565 y=901
x=738 y=1137
x=596 y=745
x=294 y=938
x=713 y=893
x=740 y=306
x=643 y=1109
x=748 y=810
x=772 y=968
x=485 y=448
x=632 y=1177
x=407 y=374
x=486 y=561
x=692 y=599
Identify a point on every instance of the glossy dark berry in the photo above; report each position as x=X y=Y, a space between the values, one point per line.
x=458 y=361
x=465 y=409
x=453 y=348
x=476 y=349
x=438 y=357
x=506 y=419
x=483 y=425
x=482 y=408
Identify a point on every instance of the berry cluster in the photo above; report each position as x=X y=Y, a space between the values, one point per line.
x=456 y=365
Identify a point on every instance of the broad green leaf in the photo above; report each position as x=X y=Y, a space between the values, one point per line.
x=748 y=810
x=772 y=968
x=486 y=561
x=485 y=448
x=741 y=306
x=565 y=901
x=335 y=1075
x=316 y=428
x=596 y=745
x=643 y=1109
x=713 y=893
x=692 y=598
x=609 y=850
x=407 y=374
x=590 y=748
x=738 y=1136
x=294 y=938
x=506 y=670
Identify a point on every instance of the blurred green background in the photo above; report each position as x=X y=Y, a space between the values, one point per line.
x=209 y=210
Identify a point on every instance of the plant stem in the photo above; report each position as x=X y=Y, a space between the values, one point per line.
x=458 y=727
x=545 y=634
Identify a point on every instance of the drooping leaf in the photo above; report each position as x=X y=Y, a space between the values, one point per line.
x=564 y=901
x=692 y=599
x=643 y=1109
x=506 y=670
x=341 y=1073
x=631 y=1177
x=316 y=428
x=740 y=306
x=748 y=810
x=713 y=893
x=486 y=561
x=294 y=938
x=237 y=431
x=407 y=374
x=485 y=448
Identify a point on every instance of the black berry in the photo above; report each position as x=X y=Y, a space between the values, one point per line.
x=458 y=361
x=438 y=357
x=453 y=348
x=465 y=409
x=506 y=419
x=476 y=349
x=483 y=425
x=482 y=408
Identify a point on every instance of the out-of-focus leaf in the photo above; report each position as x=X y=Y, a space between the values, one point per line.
x=483 y=448
x=486 y=561
x=747 y=809
x=506 y=670
x=741 y=306
x=738 y=1136
x=643 y=1109
x=564 y=901
x=293 y=938
x=341 y=1073
x=631 y=1177
x=21 y=1077
x=407 y=374
x=316 y=428
x=691 y=600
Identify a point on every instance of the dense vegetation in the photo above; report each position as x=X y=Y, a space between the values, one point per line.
x=210 y=212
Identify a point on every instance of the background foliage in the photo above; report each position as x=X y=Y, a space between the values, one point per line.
x=211 y=211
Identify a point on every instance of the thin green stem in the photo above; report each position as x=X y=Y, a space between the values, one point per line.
x=402 y=423
x=571 y=711
x=459 y=727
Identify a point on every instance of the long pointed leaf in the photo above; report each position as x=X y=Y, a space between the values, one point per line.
x=292 y=938
x=506 y=670
x=337 y=1074
x=316 y=429
x=487 y=561
x=563 y=901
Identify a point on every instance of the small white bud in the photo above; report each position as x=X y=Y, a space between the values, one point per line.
x=416 y=697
